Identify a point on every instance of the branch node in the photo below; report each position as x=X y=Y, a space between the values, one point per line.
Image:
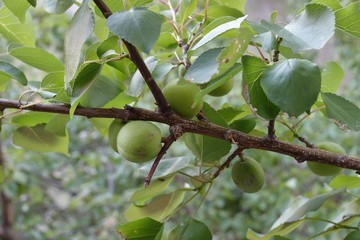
x=176 y=131
x=230 y=136
x=128 y=107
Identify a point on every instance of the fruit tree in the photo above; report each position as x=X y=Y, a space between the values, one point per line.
x=195 y=94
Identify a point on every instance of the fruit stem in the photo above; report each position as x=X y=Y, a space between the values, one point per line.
x=271 y=130
x=226 y=164
x=167 y=143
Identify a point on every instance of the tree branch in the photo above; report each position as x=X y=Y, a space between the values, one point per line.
x=243 y=140
x=135 y=57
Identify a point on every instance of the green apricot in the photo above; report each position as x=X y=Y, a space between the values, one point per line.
x=248 y=175
x=139 y=141
x=114 y=129
x=181 y=98
x=323 y=169
x=223 y=89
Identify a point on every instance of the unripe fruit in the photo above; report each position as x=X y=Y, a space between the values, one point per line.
x=114 y=129
x=139 y=141
x=323 y=169
x=223 y=89
x=248 y=175
x=181 y=98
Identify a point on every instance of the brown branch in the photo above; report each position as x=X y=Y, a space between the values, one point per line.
x=135 y=57
x=243 y=140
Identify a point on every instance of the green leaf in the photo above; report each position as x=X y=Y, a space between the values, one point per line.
x=214 y=12
x=142 y=229
x=204 y=67
x=38 y=58
x=332 y=4
x=18 y=8
x=315 y=25
x=85 y=80
x=120 y=101
x=218 y=31
x=187 y=8
x=253 y=68
x=311 y=29
x=343 y=181
x=191 y=229
x=32 y=2
x=244 y=125
x=281 y=230
x=345 y=113
x=208 y=149
x=100 y=91
x=230 y=114
x=31 y=119
x=54 y=83
x=81 y=27
x=111 y=48
x=138 y=26
x=267 y=40
x=237 y=4
x=166 y=167
x=57 y=124
x=331 y=77
x=293 y=85
x=8 y=70
x=302 y=206
x=38 y=139
x=156 y=187
x=14 y=31
x=231 y=54
x=159 y=208
x=354 y=235
x=57 y=6
x=111 y=45
x=348 y=17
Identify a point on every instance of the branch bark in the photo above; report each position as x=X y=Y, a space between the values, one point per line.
x=243 y=140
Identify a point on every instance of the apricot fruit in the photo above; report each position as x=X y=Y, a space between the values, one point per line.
x=223 y=89
x=114 y=129
x=181 y=99
x=139 y=141
x=248 y=175
x=323 y=169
